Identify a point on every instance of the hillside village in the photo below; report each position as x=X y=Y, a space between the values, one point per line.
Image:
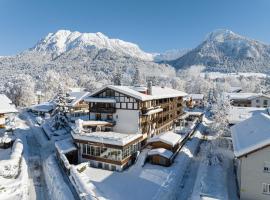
x=138 y=141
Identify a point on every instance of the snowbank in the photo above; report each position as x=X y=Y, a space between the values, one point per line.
x=15 y=188
x=57 y=187
x=10 y=168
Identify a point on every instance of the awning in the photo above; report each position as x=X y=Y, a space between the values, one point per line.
x=99 y=100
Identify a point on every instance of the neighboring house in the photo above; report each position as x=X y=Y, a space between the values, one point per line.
x=121 y=118
x=6 y=108
x=239 y=114
x=197 y=100
x=249 y=99
x=251 y=143
x=42 y=108
x=77 y=107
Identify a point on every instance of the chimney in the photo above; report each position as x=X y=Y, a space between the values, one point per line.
x=149 y=87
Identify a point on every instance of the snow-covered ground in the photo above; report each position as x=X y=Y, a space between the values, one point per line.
x=210 y=175
x=141 y=181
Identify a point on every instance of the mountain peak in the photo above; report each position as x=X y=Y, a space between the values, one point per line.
x=220 y=35
x=65 y=40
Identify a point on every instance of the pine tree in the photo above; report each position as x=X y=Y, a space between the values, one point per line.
x=136 y=80
x=117 y=79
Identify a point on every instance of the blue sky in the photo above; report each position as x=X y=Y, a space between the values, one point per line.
x=154 y=25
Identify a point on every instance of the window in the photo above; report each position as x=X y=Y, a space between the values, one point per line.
x=257 y=101
x=266 y=167
x=113 y=167
x=266 y=188
x=123 y=105
x=130 y=105
x=265 y=102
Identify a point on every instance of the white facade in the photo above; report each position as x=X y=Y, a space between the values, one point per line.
x=254 y=175
x=261 y=101
x=127 y=121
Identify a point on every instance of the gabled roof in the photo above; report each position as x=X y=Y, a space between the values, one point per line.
x=251 y=134
x=196 y=96
x=6 y=105
x=239 y=114
x=157 y=92
x=43 y=107
x=76 y=97
x=169 y=138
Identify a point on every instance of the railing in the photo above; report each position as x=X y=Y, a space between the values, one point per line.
x=102 y=110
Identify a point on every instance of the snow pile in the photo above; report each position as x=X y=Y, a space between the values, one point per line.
x=58 y=189
x=17 y=188
x=10 y=168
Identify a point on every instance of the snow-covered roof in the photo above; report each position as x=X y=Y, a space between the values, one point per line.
x=5 y=99
x=112 y=138
x=6 y=105
x=157 y=92
x=197 y=96
x=243 y=96
x=235 y=89
x=76 y=97
x=251 y=134
x=239 y=114
x=95 y=123
x=169 y=138
x=43 y=107
x=100 y=100
x=65 y=146
x=160 y=151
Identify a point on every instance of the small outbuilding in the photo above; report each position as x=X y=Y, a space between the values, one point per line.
x=168 y=140
x=160 y=156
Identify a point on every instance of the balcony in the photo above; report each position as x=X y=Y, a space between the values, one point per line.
x=102 y=109
x=151 y=110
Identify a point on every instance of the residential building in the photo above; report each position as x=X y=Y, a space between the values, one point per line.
x=197 y=100
x=120 y=120
x=78 y=108
x=251 y=143
x=249 y=99
x=6 y=108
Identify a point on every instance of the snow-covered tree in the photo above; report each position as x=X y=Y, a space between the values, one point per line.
x=117 y=79
x=53 y=80
x=220 y=109
x=136 y=80
x=21 y=90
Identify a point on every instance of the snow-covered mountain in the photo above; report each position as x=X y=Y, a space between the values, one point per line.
x=64 y=40
x=223 y=50
x=83 y=54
